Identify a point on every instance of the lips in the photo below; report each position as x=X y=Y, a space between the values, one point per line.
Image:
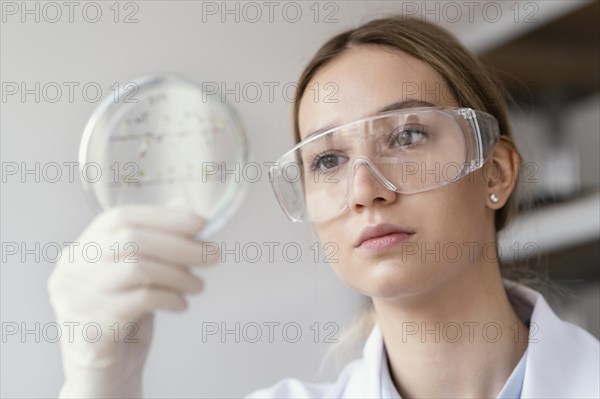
x=380 y=231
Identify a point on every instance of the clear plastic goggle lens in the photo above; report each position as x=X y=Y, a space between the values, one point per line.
x=408 y=151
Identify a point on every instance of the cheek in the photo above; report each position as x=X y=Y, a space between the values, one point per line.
x=455 y=213
x=337 y=241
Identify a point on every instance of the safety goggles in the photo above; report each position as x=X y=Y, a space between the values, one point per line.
x=408 y=151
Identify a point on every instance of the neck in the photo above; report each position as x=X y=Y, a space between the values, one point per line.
x=463 y=340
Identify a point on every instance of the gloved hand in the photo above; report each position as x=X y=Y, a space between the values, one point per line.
x=107 y=358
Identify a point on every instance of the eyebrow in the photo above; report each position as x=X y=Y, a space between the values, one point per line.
x=410 y=103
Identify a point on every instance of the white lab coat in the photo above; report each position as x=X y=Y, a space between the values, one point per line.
x=563 y=363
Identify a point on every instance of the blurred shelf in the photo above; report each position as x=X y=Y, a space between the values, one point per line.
x=576 y=265
x=555 y=228
x=562 y=56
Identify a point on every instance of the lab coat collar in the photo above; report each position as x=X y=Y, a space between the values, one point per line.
x=562 y=361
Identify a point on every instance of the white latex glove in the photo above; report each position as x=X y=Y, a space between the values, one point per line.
x=121 y=291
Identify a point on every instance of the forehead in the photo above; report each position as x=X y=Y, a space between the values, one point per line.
x=363 y=80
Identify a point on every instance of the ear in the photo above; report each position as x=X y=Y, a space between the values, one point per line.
x=501 y=172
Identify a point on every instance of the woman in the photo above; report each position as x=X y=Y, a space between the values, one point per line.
x=410 y=168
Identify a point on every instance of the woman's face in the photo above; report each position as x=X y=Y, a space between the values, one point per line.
x=450 y=224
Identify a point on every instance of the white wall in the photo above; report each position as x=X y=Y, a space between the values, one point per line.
x=169 y=36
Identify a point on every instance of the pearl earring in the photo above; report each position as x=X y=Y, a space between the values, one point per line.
x=494 y=198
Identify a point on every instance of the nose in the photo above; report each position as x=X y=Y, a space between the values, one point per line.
x=368 y=187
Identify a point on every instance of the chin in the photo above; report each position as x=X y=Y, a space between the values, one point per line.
x=387 y=278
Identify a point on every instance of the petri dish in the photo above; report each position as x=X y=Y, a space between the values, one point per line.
x=161 y=139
